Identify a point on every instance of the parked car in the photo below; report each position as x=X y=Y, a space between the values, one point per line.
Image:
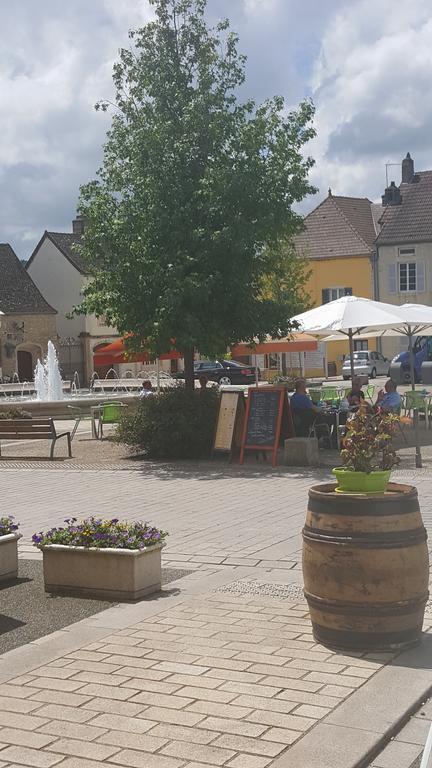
x=422 y=349
x=223 y=371
x=366 y=363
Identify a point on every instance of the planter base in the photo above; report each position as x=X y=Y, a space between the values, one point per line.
x=9 y=556
x=118 y=595
x=105 y=574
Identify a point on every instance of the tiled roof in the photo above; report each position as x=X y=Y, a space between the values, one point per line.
x=65 y=242
x=339 y=226
x=411 y=221
x=18 y=293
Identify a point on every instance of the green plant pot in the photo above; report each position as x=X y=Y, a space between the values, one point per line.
x=361 y=482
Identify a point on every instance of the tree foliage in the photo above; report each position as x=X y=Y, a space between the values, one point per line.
x=195 y=193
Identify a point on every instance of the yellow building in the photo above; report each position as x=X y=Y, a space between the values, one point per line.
x=338 y=242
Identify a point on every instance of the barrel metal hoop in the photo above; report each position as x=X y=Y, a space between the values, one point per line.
x=324 y=506
x=379 y=641
x=375 y=540
x=397 y=608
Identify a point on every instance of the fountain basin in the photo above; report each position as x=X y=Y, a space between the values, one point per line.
x=59 y=409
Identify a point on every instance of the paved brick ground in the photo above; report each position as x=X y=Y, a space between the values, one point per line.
x=218 y=680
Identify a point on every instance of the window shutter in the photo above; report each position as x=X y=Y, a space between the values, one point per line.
x=325 y=296
x=392 y=278
x=421 y=287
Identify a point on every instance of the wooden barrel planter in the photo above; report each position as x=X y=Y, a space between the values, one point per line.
x=365 y=568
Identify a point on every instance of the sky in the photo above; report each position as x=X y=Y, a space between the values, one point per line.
x=366 y=64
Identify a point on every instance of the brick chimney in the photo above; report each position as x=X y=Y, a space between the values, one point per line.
x=392 y=195
x=407 y=169
x=78 y=225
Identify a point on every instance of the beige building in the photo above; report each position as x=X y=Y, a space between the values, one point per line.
x=27 y=321
x=57 y=269
x=403 y=248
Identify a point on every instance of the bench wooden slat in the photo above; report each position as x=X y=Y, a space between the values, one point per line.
x=29 y=436
x=25 y=427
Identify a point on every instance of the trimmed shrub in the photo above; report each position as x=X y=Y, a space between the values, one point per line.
x=15 y=413
x=173 y=425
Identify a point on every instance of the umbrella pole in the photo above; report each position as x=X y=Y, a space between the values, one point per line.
x=418 y=456
x=157 y=376
x=351 y=351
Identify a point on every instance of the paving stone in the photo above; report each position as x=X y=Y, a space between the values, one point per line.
x=58 y=697
x=10 y=704
x=146 y=674
x=414 y=732
x=61 y=712
x=24 y=738
x=184 y=669
x=237 y=727
x=281 y=720
x=145 y=742
x=32 y=757
x=97 y=677
x=133 y=758
x=123 y=661
x=249 y=761
x=397 y=755
x=15 y=691
x=259 y=702
x=179 y=733
x=232 y=674
x=253 y=689
x=327 y=746
x=162 y=700
x=197 y=682
x=72 y=730
x=200 y=753
x=284 y=735
x=77 y=748
x=220 y=695
x=107 y=691
x=246 y=744
x=219 y=710
x=306 y=710
x=54 y=685
x=121 y=723
x=175 y=716
x=155 y=686
x=126 y=708
x=17 y=720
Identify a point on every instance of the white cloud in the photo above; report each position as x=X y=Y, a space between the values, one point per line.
x=370 y=82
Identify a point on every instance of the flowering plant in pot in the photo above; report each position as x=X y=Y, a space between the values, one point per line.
x=367 y=454
x=109 y=559
x=8 y=548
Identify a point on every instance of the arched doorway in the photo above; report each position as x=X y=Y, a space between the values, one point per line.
x=25 y=365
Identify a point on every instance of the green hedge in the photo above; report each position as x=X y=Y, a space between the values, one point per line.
x=173 y=425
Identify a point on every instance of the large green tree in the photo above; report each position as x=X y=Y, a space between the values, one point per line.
x=195 y=193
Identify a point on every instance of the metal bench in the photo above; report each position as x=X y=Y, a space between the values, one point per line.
x=33 y=429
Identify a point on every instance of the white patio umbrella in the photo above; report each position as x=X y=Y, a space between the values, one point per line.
x=415 y=320
x=349 y=316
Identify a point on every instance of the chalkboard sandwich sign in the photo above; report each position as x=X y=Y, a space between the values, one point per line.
x=268 y=420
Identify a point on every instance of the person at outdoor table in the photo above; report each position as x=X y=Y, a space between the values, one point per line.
x=203 y=381
x=146 y=389
x=305 y=412
x=390 y=399
x=356 y=394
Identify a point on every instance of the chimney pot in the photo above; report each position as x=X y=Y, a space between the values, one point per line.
x=78 y=225
x=392 y=195
x=407 y=169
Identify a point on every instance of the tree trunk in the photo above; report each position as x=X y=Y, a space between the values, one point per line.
x=188 y=357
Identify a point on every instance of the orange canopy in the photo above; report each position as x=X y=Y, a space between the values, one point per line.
x=116 y=353
x=297 y=342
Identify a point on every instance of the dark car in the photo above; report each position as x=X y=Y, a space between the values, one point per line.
x=223 y=371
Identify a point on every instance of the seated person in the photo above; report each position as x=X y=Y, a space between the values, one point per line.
x=356 y=394
x=305 y=412
x=389 y=400
x=146 y=389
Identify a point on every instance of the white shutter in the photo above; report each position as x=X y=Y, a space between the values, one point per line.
x=421 y=287
x=392 y=278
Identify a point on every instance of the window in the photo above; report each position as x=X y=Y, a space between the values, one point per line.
x=331 y=294
x=360 y=344
x=407 y=277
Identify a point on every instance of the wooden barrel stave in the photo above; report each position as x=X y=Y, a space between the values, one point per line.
x=365 y=565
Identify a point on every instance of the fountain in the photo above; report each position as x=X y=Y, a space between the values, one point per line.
x=48 y=382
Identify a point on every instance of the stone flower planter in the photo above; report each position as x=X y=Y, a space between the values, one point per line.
x=9 y=556
x=107 y=574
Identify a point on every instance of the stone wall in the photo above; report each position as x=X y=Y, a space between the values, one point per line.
x=27 y=333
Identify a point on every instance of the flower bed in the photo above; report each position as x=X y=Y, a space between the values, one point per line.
x=101 y=534
x=108 y=559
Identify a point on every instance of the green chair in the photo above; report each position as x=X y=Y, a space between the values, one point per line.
x=418 y=401
x=110 y=414
x=370 y=392
x=315 y=395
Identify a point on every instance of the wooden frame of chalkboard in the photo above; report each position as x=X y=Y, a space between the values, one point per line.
x=233 y=438
x=267 y=412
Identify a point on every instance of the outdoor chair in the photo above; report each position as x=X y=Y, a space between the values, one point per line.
x=305 y=425
x=315 y=395
x=370 y=392
x=110 y=414
x=418 y=401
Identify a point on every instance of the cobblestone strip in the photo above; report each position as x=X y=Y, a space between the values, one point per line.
x=220 y=680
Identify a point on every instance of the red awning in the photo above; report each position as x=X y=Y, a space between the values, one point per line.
x=116 y=353
x=297 y=342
